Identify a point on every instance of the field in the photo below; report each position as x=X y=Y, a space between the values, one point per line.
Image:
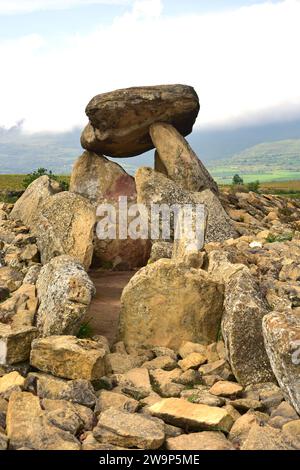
x=15 y=182
x=11 y=183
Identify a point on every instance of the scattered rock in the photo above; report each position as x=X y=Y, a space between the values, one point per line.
x=161 y=362
x=192 y=361
x=202 y=397
x=206 y=440
x=226 y=389
x=69 y=357
x=10 y=279
x=65 y=291
x=245 y=404
x=264 y=438
x=65 y=226
x=28 y=205
x=291 y=433
x=9 y=382
x=119 y=401
x=241 y=428
x=76 y=391
x=121 y=428
x=27 y=426
x=15 y=343
x=179 y=412
x=282 y=341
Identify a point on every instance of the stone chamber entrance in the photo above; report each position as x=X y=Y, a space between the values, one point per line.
x=104 y=310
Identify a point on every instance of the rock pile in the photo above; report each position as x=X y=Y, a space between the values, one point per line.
x=209 y=336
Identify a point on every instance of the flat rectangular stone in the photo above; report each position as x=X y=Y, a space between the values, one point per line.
x=15 y=343
x=69 y=357
x=186 y=415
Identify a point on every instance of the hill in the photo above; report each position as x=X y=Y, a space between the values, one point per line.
x=268 y=161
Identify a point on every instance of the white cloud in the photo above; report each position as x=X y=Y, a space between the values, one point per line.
x=27 y=6
x=243 y=63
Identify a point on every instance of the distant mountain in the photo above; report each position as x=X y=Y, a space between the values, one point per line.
x=23 y=153
x=268 y=161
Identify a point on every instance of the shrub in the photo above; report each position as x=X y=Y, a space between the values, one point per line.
x=284 y=237
x=253 y=186
x=41 y=172
x=237 y=180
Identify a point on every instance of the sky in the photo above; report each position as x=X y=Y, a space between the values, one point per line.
x=242 y=57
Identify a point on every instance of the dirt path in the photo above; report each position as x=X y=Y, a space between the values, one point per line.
x=105 y=307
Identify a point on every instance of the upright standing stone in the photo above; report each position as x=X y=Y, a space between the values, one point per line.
x=181 y=163
x=166 y=303
x=65 y=226
x=64 y=291
x=244 y=310
x=102 y=181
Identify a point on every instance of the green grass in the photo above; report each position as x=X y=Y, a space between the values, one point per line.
x=15 y=182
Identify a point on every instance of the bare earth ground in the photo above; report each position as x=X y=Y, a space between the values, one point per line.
x=105 y=307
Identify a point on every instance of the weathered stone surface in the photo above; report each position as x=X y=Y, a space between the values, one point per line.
x=161 y=250
x=164 y=382
x=129 y=430
x=245 y=404
x=179 y=160
x=187 y=348
x=10 y=381
x=265 y=438
x=32 y=274
x=10 y=278
x=68 y=357
x=206 y=440
x=90 y=443
x=27 y=426
x=192 y=361
x=28 y=205
x=291 y=433
x=68 y=416
x=76 y=391
x=244 y=309
x=282 y=341
x=102 y=181
x=191 y=313
x=15 y=343
x=241 y=428
x=120 y=120
x=139 y=377
x=65 y=291
x=20 y=308
x=161 y=362
x=65 y=226
x=219 y=225
x=226 y=389
x=119 y=401
x=121 y=363
x=202 y=397
x=3 y=441
x=187 y=415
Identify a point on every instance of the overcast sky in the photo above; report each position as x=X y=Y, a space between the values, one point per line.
x=242 y=57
